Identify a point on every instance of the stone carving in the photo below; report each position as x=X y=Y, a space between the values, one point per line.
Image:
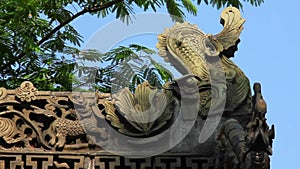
x=27 y=92
x=2 y=93
x=69 y=127
x=141 y=110
x=204 y=59
x=46 y=127
x=102 y=160
x=8 y=131
x=62 y=128
x=20 y=130
x=191 y=51
x=259 y=135
x=49 y=123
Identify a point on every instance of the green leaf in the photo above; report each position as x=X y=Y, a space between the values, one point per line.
x=174 y=10
x=190 y=7
x=36 y=46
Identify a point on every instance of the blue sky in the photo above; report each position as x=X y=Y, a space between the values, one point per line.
x=268 y=53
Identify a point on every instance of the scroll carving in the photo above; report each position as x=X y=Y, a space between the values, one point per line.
x=27 y=92
x=2 y=93
x=9 y=131
x=51 y=122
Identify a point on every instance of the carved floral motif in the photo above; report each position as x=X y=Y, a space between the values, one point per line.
x=147 y=110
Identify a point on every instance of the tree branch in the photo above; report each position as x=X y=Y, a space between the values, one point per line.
x=95 y=8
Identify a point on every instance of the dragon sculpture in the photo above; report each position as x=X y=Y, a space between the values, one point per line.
x=213 y=85
x=244 y=139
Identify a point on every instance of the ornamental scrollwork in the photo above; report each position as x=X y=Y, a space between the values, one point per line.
x=26 y=92
x=3 y=93
x=53 y=122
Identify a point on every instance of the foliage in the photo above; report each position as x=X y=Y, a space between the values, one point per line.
x=236 y=3
x=38 y=42
x=121 y=67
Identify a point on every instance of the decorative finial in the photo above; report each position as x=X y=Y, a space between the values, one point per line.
x=233 y=22
x=26 y=92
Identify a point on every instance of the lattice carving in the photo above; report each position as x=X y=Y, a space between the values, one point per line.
x=48 y=120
